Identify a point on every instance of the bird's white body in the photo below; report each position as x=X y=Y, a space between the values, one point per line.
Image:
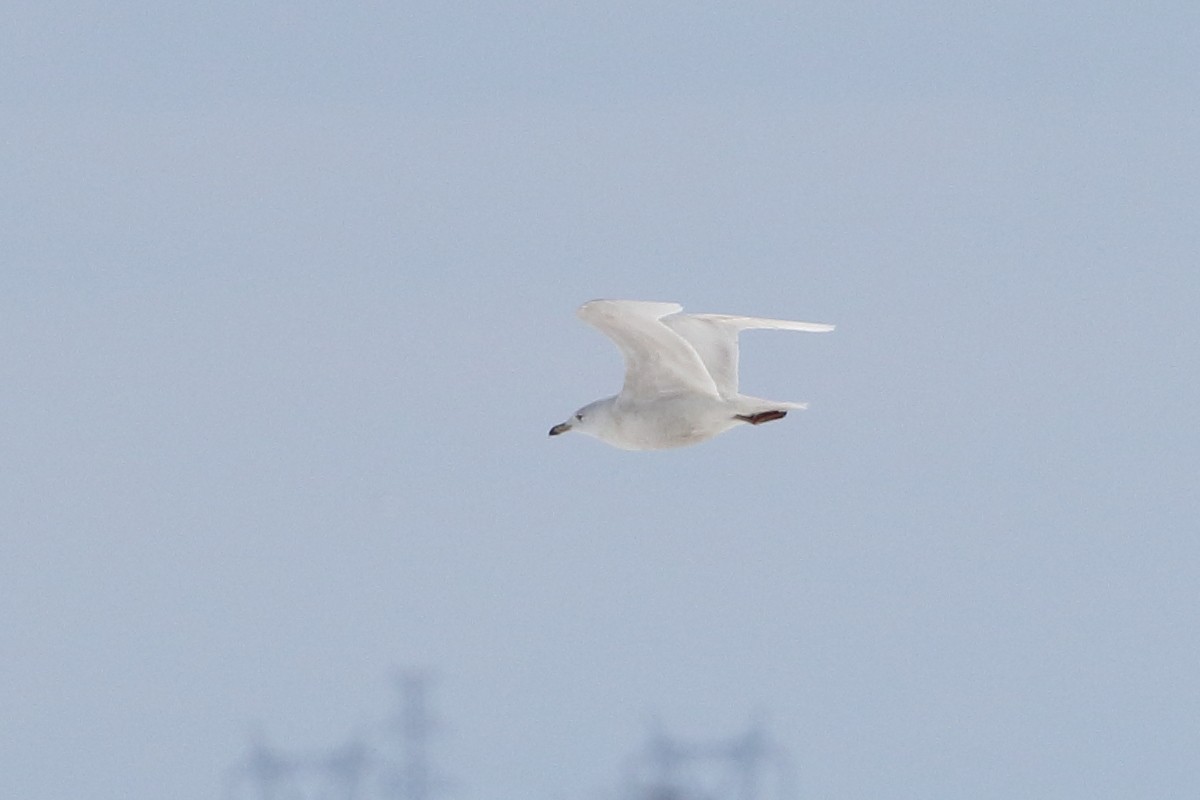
x=672 y=420
x=680 y=376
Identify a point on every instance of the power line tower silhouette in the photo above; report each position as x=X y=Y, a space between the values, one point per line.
x=746 y=767
x=268 y=774
x=411 y=777
x=392 y=763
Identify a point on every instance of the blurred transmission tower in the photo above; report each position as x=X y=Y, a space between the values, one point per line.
x=746 y=767
x=391 y=763
x=411 y=777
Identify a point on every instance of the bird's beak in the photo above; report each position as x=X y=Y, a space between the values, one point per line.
x=562 y=427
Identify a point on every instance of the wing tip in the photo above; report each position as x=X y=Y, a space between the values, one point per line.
x=606 y=305
x=660 y=309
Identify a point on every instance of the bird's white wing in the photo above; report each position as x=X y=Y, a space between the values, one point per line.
x=657 y=359
x=714 y=338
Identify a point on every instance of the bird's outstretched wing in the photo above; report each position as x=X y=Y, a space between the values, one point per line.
x=658 y=360
x=714 y=337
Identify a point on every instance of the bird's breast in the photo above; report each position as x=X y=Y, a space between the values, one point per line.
x=672 y=421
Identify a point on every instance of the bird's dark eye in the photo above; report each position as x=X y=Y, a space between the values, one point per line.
x=579 y=417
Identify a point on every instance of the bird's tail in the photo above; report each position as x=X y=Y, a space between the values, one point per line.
x=757 y=405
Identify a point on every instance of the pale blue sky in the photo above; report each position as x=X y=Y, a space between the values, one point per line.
x=286 y=309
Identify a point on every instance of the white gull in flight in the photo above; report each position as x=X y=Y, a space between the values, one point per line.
x=681 y=376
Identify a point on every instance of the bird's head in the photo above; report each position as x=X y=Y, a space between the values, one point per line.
x=593 y=419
